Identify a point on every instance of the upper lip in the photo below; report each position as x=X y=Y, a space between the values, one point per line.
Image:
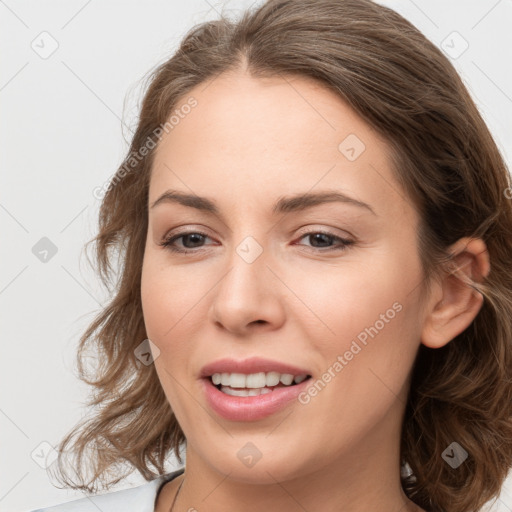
x=250 y=365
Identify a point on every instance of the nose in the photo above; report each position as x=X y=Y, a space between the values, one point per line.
x=247 y=298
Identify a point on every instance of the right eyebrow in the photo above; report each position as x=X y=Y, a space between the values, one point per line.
x=191 y=200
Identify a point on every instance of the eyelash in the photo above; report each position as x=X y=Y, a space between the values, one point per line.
x=168 y=243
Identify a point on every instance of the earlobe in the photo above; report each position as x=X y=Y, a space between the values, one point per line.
x=456 y=304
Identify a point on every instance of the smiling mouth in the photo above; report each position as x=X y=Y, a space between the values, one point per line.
x=233 y=389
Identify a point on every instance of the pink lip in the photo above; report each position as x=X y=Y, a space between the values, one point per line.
x=250 y=408
x=250 y=365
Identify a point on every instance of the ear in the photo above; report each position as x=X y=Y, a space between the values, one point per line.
x=454 y=304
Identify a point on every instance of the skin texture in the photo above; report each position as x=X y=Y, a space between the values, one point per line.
x=247 y=143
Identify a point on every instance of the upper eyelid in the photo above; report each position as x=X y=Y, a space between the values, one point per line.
x=185 y=230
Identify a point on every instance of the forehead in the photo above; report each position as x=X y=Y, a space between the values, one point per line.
x=250 y=140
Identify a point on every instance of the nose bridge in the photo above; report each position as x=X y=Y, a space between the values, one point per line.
x=247 y=293
x=246 y=279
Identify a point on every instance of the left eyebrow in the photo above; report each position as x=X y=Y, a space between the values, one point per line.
x=284 y=204
x=300 y=202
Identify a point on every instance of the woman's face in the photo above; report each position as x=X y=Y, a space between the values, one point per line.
x=265 y=282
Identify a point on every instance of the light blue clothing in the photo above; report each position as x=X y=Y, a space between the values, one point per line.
x=136 y=499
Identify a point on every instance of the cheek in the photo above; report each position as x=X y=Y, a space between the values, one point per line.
x=365 y=313
x=342 y=300
x=175 y=306
x=366 y=360
x=154 y=302
x=167 y=306
x=166 y=294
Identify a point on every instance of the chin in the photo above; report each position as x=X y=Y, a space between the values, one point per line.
x=265 y=470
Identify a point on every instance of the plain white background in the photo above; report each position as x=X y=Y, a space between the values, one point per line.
x=64 y=119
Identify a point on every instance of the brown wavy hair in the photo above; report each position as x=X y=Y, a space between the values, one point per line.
x=446 y=161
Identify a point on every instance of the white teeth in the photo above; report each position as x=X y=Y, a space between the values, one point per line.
x=225 y=379
x=272 y=378
x=255 y=380
x=235 y=380
x=245 y=392
x=286 y=379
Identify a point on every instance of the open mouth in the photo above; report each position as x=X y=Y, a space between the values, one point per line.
x=251 y=389
x=253 y=396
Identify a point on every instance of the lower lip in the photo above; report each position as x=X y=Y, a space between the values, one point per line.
x=250 y=408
